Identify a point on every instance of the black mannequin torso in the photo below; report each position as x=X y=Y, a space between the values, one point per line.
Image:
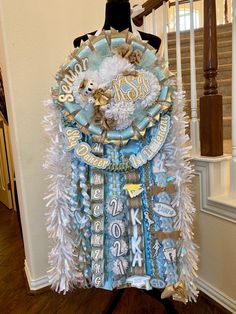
x=115 y=9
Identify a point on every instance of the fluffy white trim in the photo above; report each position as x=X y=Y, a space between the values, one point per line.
x=113 y=66
x=63 y=274
x=121 y=112
x=177 y=150
x=155 y=89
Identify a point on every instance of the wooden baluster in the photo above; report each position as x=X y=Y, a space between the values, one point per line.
x=211 y=116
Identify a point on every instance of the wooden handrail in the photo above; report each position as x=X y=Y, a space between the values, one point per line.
x=148 y=6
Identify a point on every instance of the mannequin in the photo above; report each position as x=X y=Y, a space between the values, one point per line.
x=117 y=16
x=117 y=154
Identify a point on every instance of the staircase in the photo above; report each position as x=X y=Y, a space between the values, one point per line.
x=224 y=77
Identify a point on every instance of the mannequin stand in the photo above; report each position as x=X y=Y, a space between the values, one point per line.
x=154 y=294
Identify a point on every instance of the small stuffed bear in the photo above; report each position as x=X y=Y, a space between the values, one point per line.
x=98 y=97
x=87 y=87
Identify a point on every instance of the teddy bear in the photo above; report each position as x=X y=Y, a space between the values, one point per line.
x=87 y=88
x=99 y=97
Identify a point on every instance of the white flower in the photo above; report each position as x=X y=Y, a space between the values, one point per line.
x=121 y=112
x=155 y=89
x=113 y=66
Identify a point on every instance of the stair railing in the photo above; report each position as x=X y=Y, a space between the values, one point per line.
x=211 y=115
x=211 y=106
x=149 y=7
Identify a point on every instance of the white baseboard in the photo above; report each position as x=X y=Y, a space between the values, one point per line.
x=217 y=295
x=212 y=292
x=35 y=284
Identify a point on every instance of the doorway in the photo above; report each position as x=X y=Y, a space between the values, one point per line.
x=7 y=186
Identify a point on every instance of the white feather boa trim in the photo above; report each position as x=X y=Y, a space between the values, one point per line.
x=63 y=274
x=177 y=150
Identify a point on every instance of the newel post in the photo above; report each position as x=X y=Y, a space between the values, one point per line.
x=211 y=115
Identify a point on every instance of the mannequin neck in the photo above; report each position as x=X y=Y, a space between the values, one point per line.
x=118 y=16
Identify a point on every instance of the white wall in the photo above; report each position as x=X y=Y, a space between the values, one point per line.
x=216 y=239
x=35 y=38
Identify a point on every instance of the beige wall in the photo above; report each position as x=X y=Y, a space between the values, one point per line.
x=35 y=38
x=216 y=238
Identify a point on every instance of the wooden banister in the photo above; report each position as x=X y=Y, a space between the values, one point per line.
x=151 y=5
x=211 y=115
x=148 y=7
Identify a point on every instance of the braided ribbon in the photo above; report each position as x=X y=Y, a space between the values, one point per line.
x=84 y=188
x=86 y=234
